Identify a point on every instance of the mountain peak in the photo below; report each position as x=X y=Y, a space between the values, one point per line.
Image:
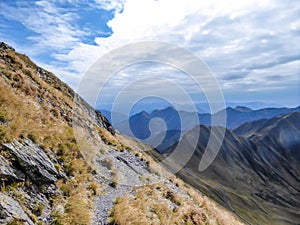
x=167 y=109
x=243 y=108
x=144 y=113
x=4 y=46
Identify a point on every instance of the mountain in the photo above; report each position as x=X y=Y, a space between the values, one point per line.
x=236 y=116
x=138 y=125
x=283 y=134
x=243 y=108
x=256 y=172
x=254 y=105
x=61 y=161
x=162 y=141
x=159 y=134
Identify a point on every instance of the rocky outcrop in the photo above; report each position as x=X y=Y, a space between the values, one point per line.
x=4 y=46
x=10 y=210
x=26 y=161
x=7 y=171
x=33 y=160
x=103 y=122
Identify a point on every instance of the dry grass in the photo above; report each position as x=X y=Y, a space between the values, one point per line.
x=115 y=178
x=21 y=118
x=214 y=210
x=108 y=138
x=156 y=204
x=78 y=208
x=108 y=163
x=95 y=188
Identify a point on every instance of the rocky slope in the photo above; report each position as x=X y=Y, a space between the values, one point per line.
x=47 y=176
x=256 y=172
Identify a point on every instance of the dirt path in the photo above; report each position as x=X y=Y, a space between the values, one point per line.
x=131 y=172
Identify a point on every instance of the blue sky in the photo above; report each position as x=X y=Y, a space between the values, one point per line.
x=252 y=47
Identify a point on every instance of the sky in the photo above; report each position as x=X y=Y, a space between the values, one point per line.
x=251 y=47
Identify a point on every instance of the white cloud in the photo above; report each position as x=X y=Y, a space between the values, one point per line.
x=232 y=36
x=190 y=23
x=52 y=26
x=111 y=4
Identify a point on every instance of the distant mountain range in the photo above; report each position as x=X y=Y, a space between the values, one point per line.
x=175 y=122
x=150 y=105
x=256 y=173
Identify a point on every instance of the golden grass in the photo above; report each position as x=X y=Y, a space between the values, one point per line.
x=156 y=204
x=109 y=139
x=115 y=178
x=108 y=163
x=78 y=208
x=214 y=210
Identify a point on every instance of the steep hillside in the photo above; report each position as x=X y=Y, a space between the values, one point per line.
x=256 y=172
x=39 y=154
x=47 y=176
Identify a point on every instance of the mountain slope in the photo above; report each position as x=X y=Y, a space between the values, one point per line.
x=39 y=153
x=256 y=173
x=280 y=136
x=48 y=175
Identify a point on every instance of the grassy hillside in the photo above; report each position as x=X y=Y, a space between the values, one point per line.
x=35 y=104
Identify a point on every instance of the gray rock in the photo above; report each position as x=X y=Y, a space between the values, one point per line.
x=58 y=210
x=6 y=171
x=49 y=189
x=34 y=161
x=36 y=202
x=10 y=210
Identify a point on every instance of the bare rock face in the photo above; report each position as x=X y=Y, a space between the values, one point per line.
x=11 y=210
x=103 y=122
x=34 y=161
x=6 y=171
